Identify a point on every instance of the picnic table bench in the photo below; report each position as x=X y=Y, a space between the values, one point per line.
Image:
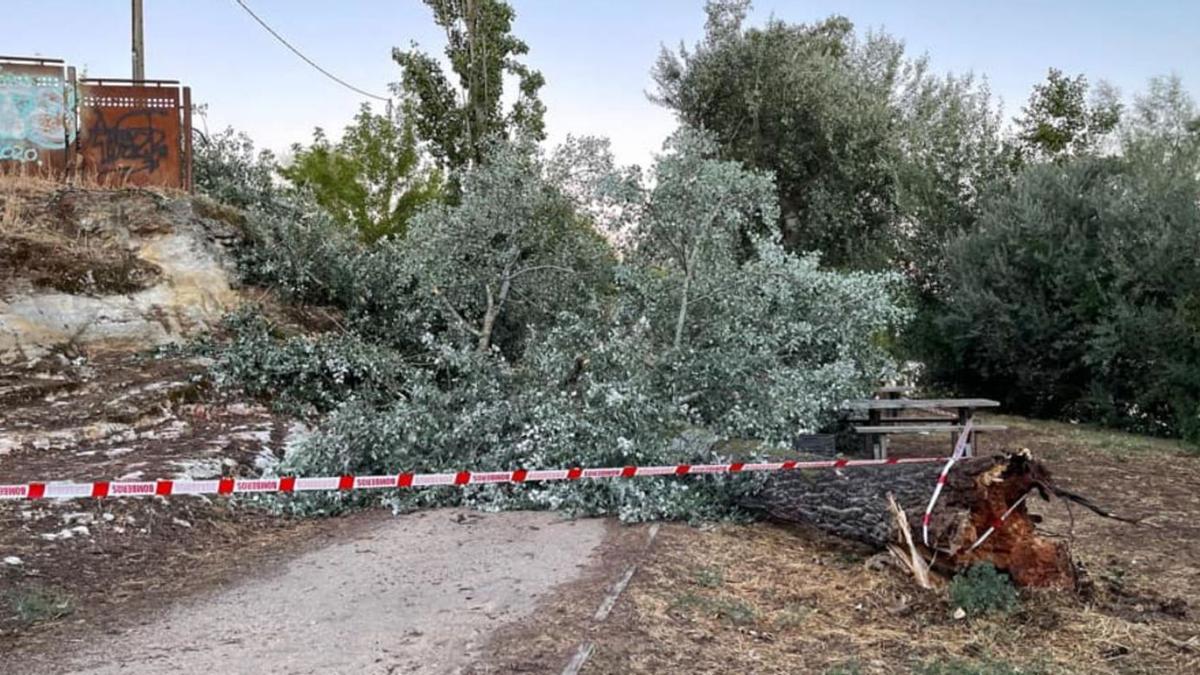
x=884 y=419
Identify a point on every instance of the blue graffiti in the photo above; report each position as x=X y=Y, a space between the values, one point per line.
x=32 y=116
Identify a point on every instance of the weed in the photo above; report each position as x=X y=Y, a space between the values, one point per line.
x=34 y=604
x=733 y=611
x=792 y=616
x=985 y=666
x=982 y=589
x=709 y=577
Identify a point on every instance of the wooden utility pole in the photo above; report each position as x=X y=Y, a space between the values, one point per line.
x=139 y=47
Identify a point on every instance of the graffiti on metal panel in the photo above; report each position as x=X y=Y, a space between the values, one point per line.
x=31 y=116
x=131 y=143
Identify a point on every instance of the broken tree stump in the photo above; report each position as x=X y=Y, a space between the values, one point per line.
x=853 y=503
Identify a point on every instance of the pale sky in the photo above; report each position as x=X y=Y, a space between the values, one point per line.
x=596 y=54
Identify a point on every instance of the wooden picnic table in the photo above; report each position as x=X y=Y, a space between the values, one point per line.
x=880 y=425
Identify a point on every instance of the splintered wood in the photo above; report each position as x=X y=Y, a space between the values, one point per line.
x=862 y=504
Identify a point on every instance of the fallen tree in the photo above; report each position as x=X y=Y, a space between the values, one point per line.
x=853 y=503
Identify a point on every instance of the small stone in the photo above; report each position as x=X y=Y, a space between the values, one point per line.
x=181 y=522
x=13 y=560
x=79 y=517
x=960 y=614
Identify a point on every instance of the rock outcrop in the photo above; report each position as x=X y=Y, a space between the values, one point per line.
x=126 y=269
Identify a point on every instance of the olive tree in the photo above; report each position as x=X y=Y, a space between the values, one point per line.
x=513 y=252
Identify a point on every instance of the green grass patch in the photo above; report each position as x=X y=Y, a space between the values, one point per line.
x=984 y=666
x=709 y=577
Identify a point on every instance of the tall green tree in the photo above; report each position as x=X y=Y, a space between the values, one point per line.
x=810 y=103
x=1060 y=121
x=951 y=154
x=459 y=120
x=373 y=179
x=1079 y=293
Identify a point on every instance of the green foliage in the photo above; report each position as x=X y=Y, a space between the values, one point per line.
x=877 y=161
x=302 y=373
x=371 y=180
x=459 y=122
x=951 y=157
x=1079 y=297
x=226 y=168
x=512 y=253
x=582 y=367
x=1059 y=122
x=982 y=590
x=809 y=103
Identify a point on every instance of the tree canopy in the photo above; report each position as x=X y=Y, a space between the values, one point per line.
x=459 y=120
x=373 y=179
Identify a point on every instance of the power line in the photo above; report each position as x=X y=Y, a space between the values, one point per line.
x=307 y=60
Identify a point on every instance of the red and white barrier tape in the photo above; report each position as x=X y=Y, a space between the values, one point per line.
x=289 y=484
x=960 y=448
x=997 y=523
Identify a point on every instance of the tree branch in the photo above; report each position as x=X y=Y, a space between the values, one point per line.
x=457 y=317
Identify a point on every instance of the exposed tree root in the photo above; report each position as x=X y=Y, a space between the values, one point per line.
x=979 y=492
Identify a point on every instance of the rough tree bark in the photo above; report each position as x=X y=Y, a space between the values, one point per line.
x=852 y=503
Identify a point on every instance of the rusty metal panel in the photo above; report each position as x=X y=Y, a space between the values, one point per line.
x=130 y=134
x=33 y=115
x=188 y=175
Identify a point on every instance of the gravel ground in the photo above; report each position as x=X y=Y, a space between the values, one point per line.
x=415 y=594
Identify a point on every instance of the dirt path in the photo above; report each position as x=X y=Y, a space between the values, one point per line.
x=414 y=594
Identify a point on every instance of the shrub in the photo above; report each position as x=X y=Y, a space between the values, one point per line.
x=1079 y=297
x=981 y=590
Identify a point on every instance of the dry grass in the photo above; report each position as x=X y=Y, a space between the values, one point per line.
x=44 y=245
x=770 y=599
x=794 y=601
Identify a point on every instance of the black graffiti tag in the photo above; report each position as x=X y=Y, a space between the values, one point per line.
x=131 y=138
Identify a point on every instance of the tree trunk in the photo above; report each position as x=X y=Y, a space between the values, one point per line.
x=494 y=307
x=852 y=503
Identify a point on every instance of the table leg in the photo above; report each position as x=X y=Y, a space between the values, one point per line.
x=872 y=440
x=967 y=415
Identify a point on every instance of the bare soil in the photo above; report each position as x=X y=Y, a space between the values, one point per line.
x=412 y=594
x=50 y=238
x=764 y=598
x=123 y=416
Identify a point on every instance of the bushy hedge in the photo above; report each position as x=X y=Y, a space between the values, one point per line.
x=1079 y=297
